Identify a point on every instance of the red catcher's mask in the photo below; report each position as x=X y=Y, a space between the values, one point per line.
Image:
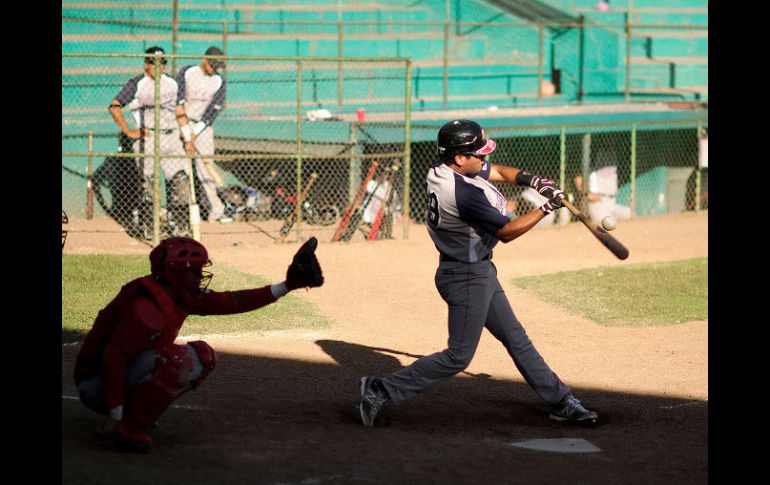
x=180 y=261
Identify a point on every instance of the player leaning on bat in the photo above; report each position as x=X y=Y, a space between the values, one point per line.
x=130 y=370
x=466 y=218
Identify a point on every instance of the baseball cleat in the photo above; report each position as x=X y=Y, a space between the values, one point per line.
x=373 y=397
x=571 y=410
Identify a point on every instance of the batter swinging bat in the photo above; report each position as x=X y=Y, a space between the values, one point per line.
x=356 y=201
x=292 y=217
x=605 y=238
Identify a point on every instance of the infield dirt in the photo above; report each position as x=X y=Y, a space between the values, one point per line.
x=280 y=407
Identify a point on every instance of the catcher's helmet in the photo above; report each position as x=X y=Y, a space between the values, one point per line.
x=64 y=220
x=174 y=256
x=463 y=137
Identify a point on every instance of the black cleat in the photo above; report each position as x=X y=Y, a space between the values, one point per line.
x=571 y=410
x=373 y=397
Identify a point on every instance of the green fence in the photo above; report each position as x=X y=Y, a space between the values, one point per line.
x=273 y=146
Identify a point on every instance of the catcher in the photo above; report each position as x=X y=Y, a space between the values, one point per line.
x=130 y=370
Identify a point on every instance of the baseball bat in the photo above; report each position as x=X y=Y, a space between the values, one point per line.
x=292 y=217
x=615 y=247
x=385 y=200
x=195 y=211
x=356 y=201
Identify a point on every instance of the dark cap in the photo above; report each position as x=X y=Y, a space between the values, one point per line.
x=215 y=51
x=155 y=50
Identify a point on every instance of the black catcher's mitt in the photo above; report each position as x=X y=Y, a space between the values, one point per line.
x=304 y=270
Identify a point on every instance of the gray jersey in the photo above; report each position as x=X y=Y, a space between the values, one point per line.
x=201 y=95
x=464 y=213
x=139 y=95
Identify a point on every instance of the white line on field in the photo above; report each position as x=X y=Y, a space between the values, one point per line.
x=178 y=406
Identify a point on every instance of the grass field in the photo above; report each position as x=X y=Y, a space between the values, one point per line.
x=89 y=282
x=639 y=295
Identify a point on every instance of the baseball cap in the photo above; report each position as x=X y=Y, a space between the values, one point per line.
x=155 y=50
x=215 y=51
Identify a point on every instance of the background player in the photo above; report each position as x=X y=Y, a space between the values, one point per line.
x=129 y=368
x=202 y=92
x=465 y=219
x=139 y=95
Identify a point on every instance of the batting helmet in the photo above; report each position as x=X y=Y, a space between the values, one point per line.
x=463 y=137
x=176 y=255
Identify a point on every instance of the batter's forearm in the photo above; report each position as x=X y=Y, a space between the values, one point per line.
x=520 y=225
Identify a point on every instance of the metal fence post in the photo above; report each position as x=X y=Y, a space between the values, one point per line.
x=445 y=94
x=174 y=34
x=564 y=214
x=340 y=53
x=156 y=157
x=298 y=189
x=407 y=145
x=89 y=179
x=627 y=87
x=540 y=64
x=633 y=171
x=698 y=188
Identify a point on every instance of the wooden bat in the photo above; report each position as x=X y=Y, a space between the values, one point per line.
x=292 y=217
x=356 y=201
x=385 y=200
x=615 y=247
x=195 y=211
x=358 y=212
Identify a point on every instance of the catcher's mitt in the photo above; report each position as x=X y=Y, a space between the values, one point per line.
x=304 y=270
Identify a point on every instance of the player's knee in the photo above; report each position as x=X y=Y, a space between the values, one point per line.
x=458 y=362
x=183 y=366
x=207 y=359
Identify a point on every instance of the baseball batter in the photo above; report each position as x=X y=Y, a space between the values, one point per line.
x=200 y=99
x=466 y=218
x=130 y=369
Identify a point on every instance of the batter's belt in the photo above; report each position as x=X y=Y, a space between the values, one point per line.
x=443 y=258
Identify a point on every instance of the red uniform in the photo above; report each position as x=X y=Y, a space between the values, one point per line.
x=144 y=317
x=131 y=344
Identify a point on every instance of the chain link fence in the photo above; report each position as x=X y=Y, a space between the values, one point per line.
x=465 y=54
x=625 y=170
x=280 y=162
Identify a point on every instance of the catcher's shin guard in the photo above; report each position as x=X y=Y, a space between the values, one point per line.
x=178 y=368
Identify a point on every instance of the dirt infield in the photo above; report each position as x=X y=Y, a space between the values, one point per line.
x=280 y=406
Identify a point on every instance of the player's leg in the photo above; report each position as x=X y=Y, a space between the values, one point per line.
x=505 y=327
x=503 y=324
x=178 y=368
x=467 y=290
x=204 y=144
x=91 y=390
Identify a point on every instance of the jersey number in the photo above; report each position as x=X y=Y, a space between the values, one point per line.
x=431 y=212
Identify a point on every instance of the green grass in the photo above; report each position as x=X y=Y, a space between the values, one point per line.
x=633 y=296
x=89 y=282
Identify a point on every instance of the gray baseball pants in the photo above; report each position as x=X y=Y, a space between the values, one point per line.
x=204 y=144
x=476 y=300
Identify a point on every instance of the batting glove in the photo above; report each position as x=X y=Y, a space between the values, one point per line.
x=552 y=204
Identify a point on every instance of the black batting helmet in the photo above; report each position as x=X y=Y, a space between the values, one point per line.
x=463 y=137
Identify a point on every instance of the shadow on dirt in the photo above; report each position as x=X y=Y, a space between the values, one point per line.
x=269 y=420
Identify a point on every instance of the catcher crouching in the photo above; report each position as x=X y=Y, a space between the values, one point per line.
x=130 y=370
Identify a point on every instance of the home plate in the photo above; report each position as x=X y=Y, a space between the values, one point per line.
x=558 y=445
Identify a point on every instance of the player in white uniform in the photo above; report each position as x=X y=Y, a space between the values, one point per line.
x=201 y=96
x=138 y=94
x=466 y=217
